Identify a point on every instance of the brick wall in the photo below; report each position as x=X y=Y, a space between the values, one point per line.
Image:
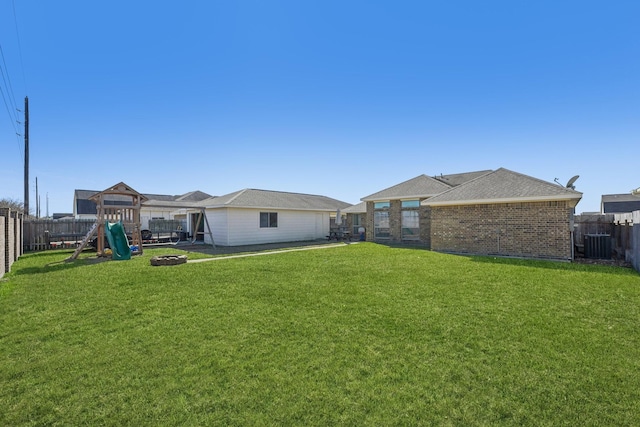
x=369 y=222
x=532 y=230
x=395 y=223
x=9 y=238
x=11 y=232
x=425 y=225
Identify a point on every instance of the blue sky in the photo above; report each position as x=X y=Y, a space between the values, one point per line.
x=339 y=98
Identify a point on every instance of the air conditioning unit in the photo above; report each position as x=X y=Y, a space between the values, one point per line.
x=597 y=246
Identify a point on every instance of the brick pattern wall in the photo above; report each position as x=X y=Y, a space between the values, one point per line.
x=425 y=225
x=369 y=222
x=395 y=223
x=8 y=237
x=532 y=230
x=11 y=232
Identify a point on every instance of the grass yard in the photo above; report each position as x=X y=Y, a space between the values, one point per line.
x=357 y=335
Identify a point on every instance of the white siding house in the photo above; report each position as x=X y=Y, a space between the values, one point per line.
x=251 y=216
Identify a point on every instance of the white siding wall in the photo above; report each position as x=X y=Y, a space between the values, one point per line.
x=218 y=221
x=237 y=227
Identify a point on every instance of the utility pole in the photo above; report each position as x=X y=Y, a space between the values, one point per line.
x=37 y=200
x=26 y=155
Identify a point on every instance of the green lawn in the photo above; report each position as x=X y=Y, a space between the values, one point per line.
x=358 y=335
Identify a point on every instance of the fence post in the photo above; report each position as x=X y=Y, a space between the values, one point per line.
x=635 y=240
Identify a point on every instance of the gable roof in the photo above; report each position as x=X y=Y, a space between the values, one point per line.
x=193 y=196
x=503 y=186
x=456 y=179
x=84 y=200
x=252 y=198
x=118 y=191
x=419 y=187
x=356 y=209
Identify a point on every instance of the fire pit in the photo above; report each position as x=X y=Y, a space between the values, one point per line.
x=168 y=260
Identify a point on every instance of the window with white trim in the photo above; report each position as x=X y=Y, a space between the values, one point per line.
x=268 y=219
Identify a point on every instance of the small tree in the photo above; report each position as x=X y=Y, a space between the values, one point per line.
x=14 y=205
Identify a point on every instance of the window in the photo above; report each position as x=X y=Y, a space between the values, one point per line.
x=381 y=225
x=411 y=203
x=381 y=205
x=356 y=223
x=410 y=225
x=268 y=219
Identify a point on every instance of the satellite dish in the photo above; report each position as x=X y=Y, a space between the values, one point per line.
x=572 y=181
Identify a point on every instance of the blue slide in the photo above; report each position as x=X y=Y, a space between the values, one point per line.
x=117 y=240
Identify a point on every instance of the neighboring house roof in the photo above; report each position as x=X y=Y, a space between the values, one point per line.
x=84 y=204
x=193 y=196
x=356 y=209
x=503 y=186
x=456 y=179
x=118 y=192
x=620 y=203
x=419 y=187
x=252 y=198
x=160 y=197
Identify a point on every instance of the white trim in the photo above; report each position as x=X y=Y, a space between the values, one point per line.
x=570 y=197
x=410 y=197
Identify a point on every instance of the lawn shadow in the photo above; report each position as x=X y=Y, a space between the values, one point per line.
x=549 y=264
x=596 y=266
x=64 y=264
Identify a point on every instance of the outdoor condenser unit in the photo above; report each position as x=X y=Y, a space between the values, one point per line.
x=597 y=246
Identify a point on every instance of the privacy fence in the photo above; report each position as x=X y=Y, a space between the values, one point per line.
x=595 y=236
x=44 y=234
x=608 y=236
x=11 y=237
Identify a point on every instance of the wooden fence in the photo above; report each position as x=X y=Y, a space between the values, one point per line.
x=44 y=234
x=624 y=237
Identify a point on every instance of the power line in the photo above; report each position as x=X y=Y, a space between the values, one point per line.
x=13 y=109
x=7 y=83
x=15 y=20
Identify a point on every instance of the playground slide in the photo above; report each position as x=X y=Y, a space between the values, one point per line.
x=117 y=240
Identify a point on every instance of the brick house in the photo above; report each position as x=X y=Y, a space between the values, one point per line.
x=485 y=213
x=396 y=214
x=504 y=213
x=356 y=217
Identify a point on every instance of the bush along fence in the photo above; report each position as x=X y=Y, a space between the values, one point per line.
x=44 y=234
x=11 y=238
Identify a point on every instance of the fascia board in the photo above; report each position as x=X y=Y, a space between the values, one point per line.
x=505 y=200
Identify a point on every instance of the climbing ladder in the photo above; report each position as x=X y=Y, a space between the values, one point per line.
x=84 y=242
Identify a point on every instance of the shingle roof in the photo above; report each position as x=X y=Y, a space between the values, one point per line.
x=252 y=198
x=503 y=186
x=420 y=186
x=356 y=209
x=84 y=205
x=193 y=196
x=161 y=197
x=456 y=179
